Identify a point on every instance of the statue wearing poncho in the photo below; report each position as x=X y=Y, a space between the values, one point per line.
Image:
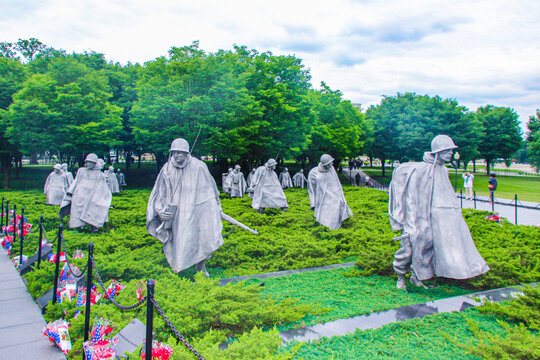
x=266 y=188
x=184 y=210
x=238 y=183
x=285 y=179
x=88 y=199
x=326 y=195
x=424 y=206
x=68 y=174
x=56 y=186
x=299 y=180
x=112 y=181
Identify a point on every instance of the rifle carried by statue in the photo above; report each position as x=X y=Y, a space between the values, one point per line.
x=232 y=221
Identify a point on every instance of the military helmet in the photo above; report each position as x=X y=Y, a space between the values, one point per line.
x=441 y=143
x=179 y=145
x=237 y=167
x=326 y=159
x=91 y=158
x=271 y=162
x=57 y=167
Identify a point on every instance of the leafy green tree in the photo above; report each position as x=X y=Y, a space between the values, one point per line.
x=404 y=126
x=533 y=139
x=64 y=111
x=501 y=134
x=338 y=128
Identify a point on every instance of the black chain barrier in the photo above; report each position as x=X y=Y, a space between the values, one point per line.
x=70 y=269
x=176 y=333
x=131 y=307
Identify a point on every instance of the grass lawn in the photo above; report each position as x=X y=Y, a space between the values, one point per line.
x=526 y=188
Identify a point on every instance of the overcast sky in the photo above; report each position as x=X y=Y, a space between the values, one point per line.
x=477 y=52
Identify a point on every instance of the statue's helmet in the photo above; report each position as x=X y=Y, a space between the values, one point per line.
x=57 y=167
x=237 y=167
x=285 y=169
x=326 y=159
x=111 y=168
x=64 y=166
x=91 y=158
x=118 y=169
x=271 y=162
x=441 y=143
x=179 y=145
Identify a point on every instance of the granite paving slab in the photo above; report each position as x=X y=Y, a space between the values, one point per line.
x=21 y=323
x=376 y=320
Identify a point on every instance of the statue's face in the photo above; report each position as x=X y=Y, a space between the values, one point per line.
x=237 y=170
x=272 y=167
x=89 y=164
x=57 y=171
x=180 y=157
x=327 y=166
x=446 y=155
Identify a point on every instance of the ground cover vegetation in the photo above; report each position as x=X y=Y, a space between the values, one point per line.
x=209 y=314
x=248 y=105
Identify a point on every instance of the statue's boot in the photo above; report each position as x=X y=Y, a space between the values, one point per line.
x=260 y=210
x=284 y=209
x=414 y=280
x=401 y=284
x=202 y=267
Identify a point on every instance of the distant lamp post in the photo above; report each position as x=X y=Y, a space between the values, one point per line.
x=456 y=157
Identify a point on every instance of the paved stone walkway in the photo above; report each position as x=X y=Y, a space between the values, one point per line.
x=373 y=321
x=21 y=321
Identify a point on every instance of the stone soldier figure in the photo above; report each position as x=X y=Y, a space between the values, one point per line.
x=121 y=179
x=299 y=180
x=266 y=189
x=238 y=183
x=56 y=186
x=285 y=179
x=226 y=179
x=88 y=199
x=250 y=177
x=326 y=196
x=69 y=175
x=184 y=210
x=435 y=239
x=112 y=181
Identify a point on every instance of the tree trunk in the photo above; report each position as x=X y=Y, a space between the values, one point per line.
x=474 y=165
x=140 y=154
x=383 y=168
x=371 y=161
x=33 y=160
x=488 y=163
x=117 y=157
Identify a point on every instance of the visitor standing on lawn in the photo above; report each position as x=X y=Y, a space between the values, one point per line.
x=492 y=187
x=468 y=184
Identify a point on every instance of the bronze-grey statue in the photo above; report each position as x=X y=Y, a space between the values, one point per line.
x=266 y=188
x=299 y=179
x=121 y=179
x=435 y=239
x=226 y=179
x=88 y=199
x=250 y=177
x=56 y=186
x=285 y=179
x=326 y=196
x=238 y=183
x=184 y=210
x=112 y=181
x=69 y=175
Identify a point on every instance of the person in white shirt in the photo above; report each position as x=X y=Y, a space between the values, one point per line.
x=468 y=185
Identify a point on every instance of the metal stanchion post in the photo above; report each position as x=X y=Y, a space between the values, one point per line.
x=7 y=214
x=474 y=193
x=461 y=197
x=492 y=195
x=57 y=262
x=40 y=240
x=90 y=269
x=149 y=317
x=516 y=206
x=14 y=224
x=2 y=221
x=21 y=237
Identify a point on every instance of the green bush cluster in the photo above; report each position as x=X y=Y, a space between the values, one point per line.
x=287 y=240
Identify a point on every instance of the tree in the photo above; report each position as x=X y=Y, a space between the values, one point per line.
x=533 y=139
x=501 y=135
